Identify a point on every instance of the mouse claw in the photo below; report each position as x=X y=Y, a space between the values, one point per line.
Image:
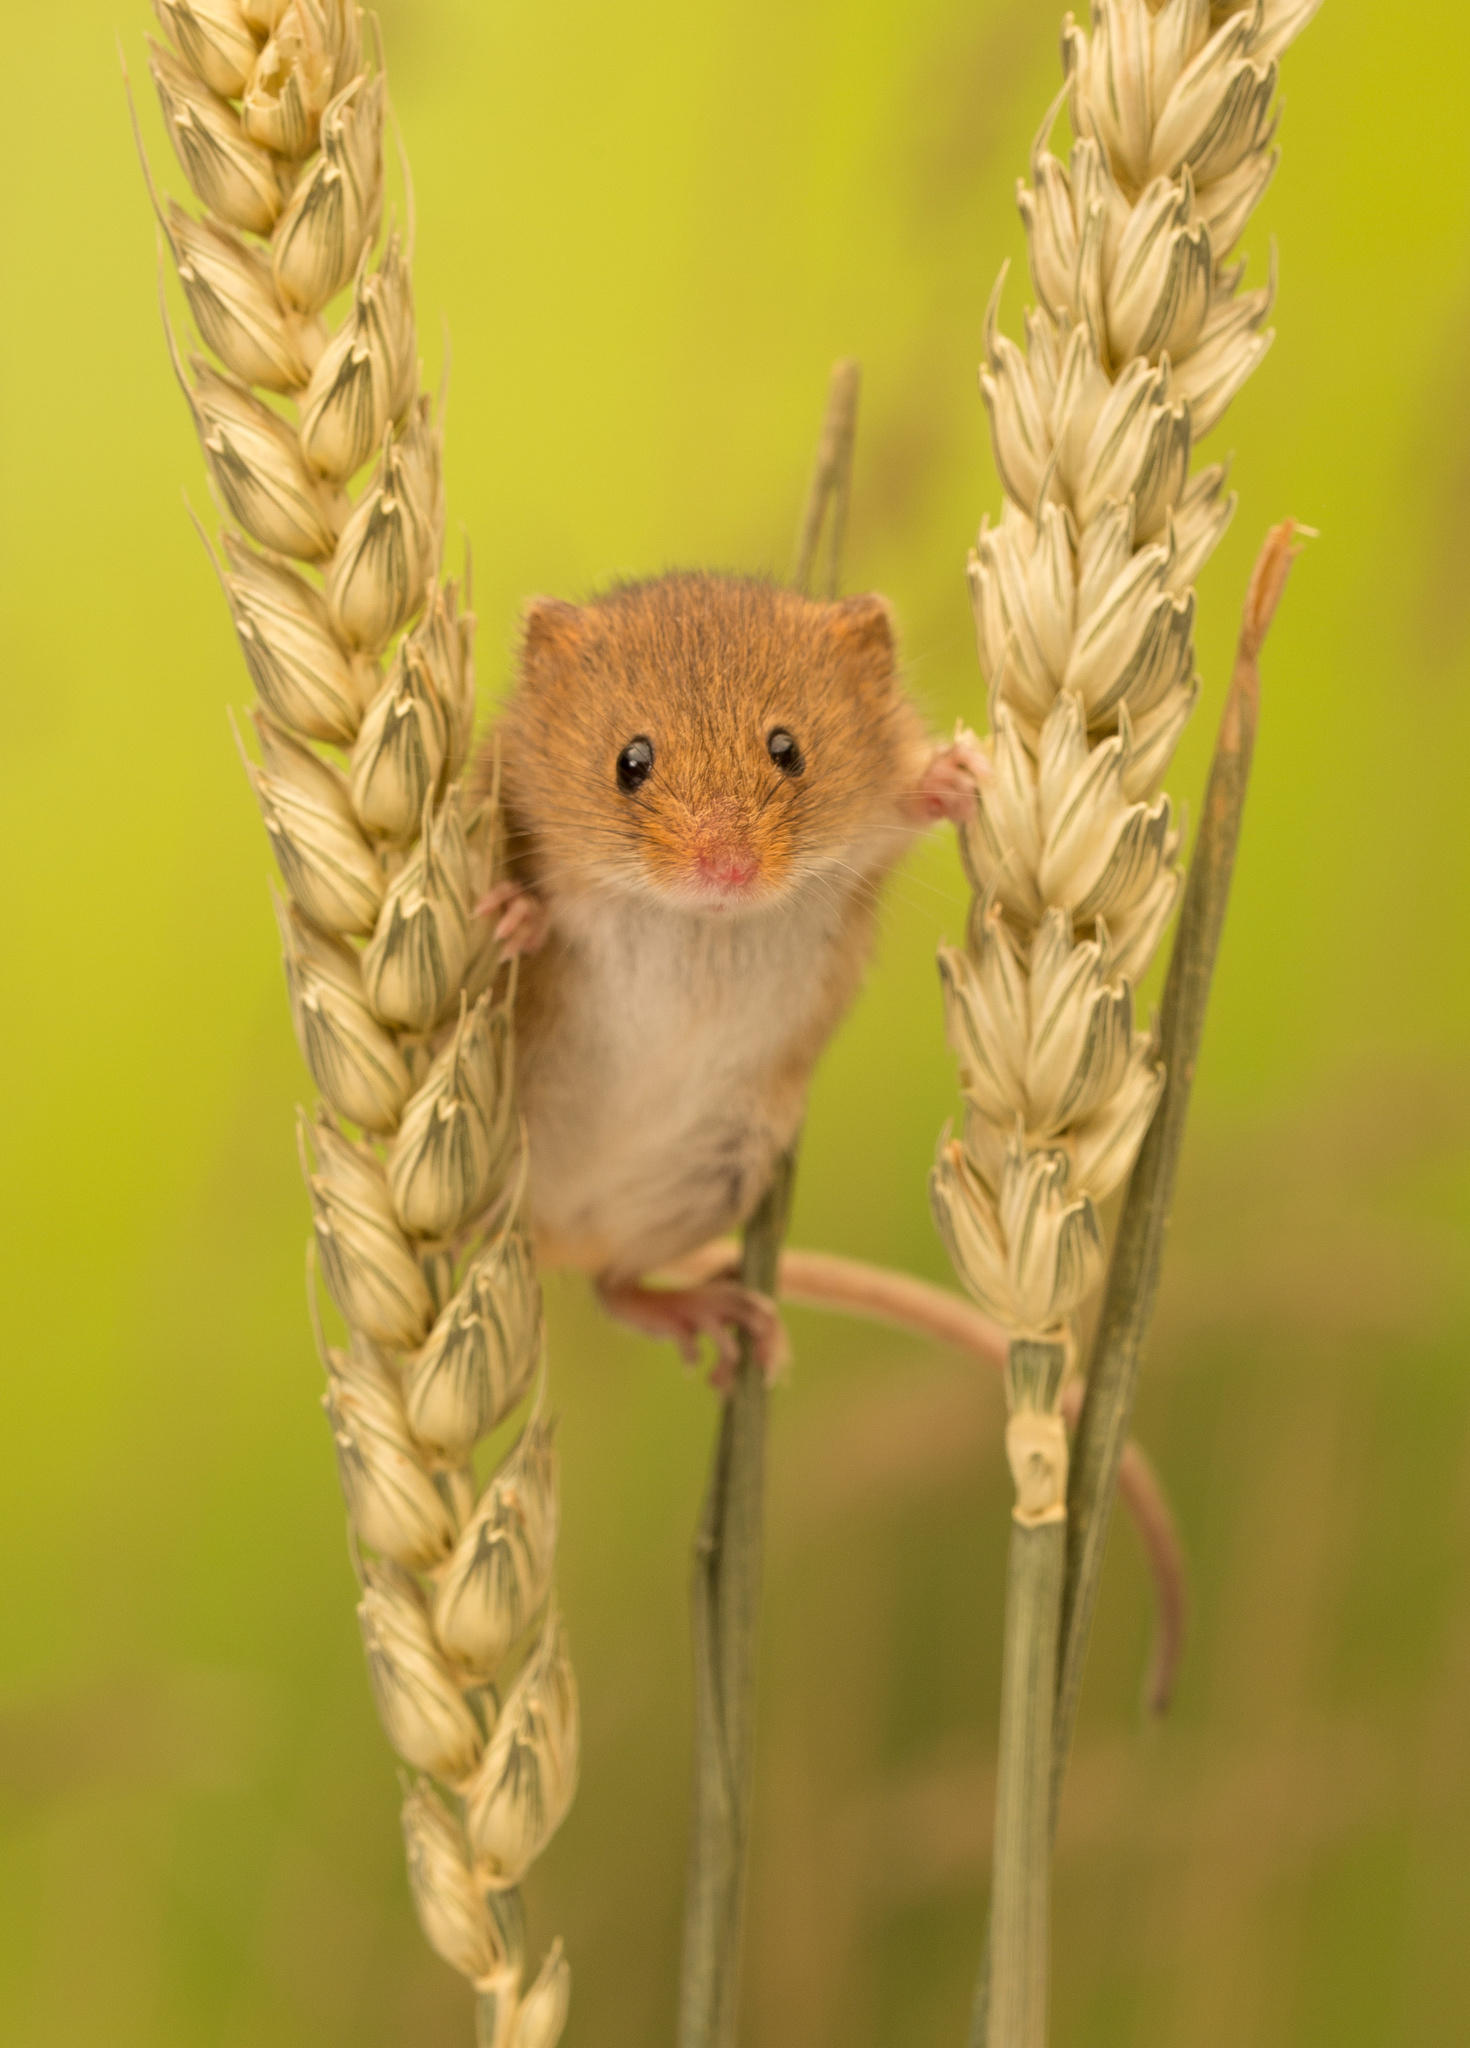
x=950 y=784
x=521 y=922
x=721 y=1310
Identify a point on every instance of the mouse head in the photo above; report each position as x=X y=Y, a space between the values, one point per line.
x=711 y=741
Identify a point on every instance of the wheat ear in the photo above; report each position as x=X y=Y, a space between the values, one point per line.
x=1084 y=608
x=362 y=658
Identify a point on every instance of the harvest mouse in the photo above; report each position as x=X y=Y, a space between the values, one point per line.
x=705 y=780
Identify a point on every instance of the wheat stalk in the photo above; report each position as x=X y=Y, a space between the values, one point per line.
x=729 y=1545
x=1084 y=608
x=361 y=653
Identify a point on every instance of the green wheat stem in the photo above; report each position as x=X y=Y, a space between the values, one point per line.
x=1020 y=1909
x=727 y=1554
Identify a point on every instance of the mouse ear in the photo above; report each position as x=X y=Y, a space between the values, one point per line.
x=863 y=630
x=550 y=627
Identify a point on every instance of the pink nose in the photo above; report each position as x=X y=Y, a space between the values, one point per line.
x=730 y=867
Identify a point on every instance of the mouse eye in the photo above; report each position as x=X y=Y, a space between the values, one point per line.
x=784 y=751
x=635 y=764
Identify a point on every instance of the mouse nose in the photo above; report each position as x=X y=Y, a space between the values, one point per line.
x=732 y=867
x=724 y=856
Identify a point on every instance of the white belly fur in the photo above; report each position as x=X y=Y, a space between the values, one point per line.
x=666 y=1067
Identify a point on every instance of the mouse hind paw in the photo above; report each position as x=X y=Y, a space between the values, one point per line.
x=721 y=1310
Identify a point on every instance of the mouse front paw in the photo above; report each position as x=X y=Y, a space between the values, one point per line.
x=520 y=918
x=952 y=781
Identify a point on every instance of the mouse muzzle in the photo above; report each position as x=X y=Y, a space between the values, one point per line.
x=724 y=863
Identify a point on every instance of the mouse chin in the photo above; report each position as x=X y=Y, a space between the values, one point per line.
x=717 y=896
x=717 y=893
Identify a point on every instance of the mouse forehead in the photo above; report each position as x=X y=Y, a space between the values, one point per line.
x=711 y=682
x=714 y=651
x=709 y=661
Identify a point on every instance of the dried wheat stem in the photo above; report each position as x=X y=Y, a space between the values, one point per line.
x=325 y=460
x=1084 y=608
x=1133 y=1274
x=825 y=512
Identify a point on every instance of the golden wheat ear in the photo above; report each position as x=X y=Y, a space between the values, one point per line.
x=1084 y=608
x=361 y=653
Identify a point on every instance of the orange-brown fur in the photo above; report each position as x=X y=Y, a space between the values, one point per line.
x=666 y=1030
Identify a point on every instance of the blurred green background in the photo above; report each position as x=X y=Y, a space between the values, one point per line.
x=649 y=231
